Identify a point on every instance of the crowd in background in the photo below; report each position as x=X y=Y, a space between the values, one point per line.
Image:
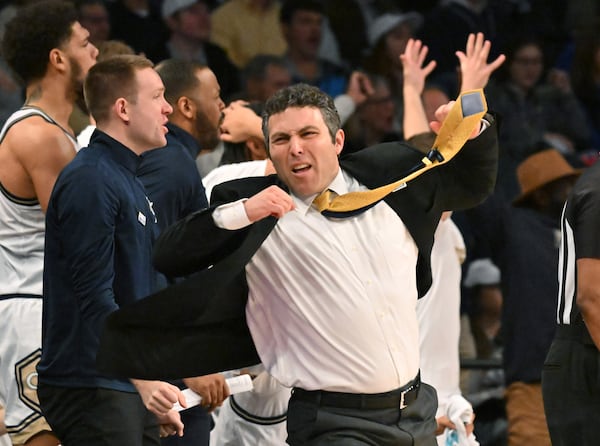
x=546 y=94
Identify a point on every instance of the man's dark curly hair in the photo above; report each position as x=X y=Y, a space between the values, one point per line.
x=33 y=33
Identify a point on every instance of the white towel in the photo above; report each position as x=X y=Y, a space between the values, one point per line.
x=460 y=412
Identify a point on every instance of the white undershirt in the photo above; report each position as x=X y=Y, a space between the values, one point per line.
x=438 y=313
x=331 y=302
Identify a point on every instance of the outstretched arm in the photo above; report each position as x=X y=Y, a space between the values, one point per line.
x=588 y=295
x=414 y=74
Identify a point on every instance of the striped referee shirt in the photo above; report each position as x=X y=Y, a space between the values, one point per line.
x=580 y=239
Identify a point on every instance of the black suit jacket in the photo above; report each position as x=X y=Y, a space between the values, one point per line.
x=199 y=327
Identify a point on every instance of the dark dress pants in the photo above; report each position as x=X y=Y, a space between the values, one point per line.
x=197 y=423
x=98 y=417
x=316 y=425
x=571 y=391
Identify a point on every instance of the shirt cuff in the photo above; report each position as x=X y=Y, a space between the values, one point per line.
x=485 y=124
x=231 y=216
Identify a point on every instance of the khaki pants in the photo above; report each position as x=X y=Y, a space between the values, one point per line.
x=525 y=414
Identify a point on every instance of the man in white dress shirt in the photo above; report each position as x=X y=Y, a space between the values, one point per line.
x=329 y=302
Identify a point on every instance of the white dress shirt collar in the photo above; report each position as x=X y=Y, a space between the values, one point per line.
x=339 y=185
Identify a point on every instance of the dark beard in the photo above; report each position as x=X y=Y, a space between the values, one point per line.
x=207 y=132
x=76 y=85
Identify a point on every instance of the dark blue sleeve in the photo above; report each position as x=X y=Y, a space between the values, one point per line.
x=86 y=207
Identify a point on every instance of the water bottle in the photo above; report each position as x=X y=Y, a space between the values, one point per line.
x=451 y=438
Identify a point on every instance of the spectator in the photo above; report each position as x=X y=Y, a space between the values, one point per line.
x=262 y=76
x=246 y=28
x=585 y=77
x=301 y=22
x=190 y=24
x=138 y=23
x=433 y=97
x=93 y=16
x=486 y=388
x=373 y=121
x=343 y=15
x=388 y=36
x=534 y=112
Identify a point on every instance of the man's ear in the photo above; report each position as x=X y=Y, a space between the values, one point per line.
x=340 y=137
x=121 y=109
x=57 y=59
x=256 y=148
x=186 y=107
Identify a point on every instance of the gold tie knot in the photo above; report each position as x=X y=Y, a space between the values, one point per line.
x=322 y=200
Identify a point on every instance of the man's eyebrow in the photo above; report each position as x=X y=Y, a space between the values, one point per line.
x=279 y=134
x=301 y=130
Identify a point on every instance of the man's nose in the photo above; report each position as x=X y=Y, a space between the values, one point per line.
x=296 y=145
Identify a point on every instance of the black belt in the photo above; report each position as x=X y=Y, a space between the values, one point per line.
x=395 y=399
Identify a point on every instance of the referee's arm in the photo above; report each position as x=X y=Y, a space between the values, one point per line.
x=588 y=295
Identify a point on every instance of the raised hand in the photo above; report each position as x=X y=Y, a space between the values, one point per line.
x=413 y=71
x=359 y=87
x=474 y=69
x=414 y=120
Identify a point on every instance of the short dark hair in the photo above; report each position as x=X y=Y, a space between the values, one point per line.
x=179 y=77
x=112 y=48
x=36 y=30
x=111 y=79
x=256 y=68
x=300 y=96
x=290 y=7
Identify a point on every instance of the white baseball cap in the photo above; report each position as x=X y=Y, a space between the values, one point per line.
x=482 y=272
x=170 y=7
x=388 y=21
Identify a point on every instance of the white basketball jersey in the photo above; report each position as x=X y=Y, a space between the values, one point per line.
x=22 y=227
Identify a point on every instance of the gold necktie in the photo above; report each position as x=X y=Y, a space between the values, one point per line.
x=456 y=129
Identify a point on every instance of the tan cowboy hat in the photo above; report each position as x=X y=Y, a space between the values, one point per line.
x=540 y=169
